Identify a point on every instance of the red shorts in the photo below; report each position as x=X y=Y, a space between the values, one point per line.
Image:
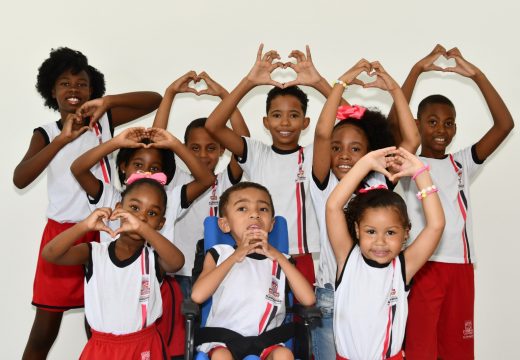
x=398 y=356
x=305 y=265
x=171 y=323
x=59 y=287
x=145 y=344
x=440 y=313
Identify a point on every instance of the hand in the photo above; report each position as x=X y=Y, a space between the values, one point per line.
x=181 y=85
x=350 y=77
x=260 y=74
x=264 y=248
x=306 y=73
x=462 y=66
x=379 y=160
x=129 y=223
x=214 y=88
x=427 y=63
x=250 y=241
x=72 y=128
x=403 y=164
x=93 y=109
x=161 y=139
x=383 y=81
x=132 y=137
x=96 y=221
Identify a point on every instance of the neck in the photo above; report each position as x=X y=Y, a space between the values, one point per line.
x=433 y=154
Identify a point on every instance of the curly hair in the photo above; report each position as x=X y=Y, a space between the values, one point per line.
x=375 y=126
x=59 y=61
x=167 y=158
x=373 y=199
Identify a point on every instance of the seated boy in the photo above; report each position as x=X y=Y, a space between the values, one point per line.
x=247 y=281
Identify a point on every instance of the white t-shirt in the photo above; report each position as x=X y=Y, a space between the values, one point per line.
x=370 y=308
x=113 y=287
x=452 y=178
x=327 y=266
x=175 y=207
x=67 y=203
x=251 y=298
x=287 y=175
x=189 y=228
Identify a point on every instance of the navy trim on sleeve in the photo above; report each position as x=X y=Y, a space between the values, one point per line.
x=475 y=156
x=321 y=185
x=231 y=178
x=242 y=159
x=44 y=134
x=214 y=254
x=403 y=271
x=89 y=268
x=184 y=197
x=94 y=200
x=158 y=271
x=110 y=123
x=338 y=281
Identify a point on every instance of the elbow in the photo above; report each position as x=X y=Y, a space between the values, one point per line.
x=308 y=299
x=196 y=296
x=155 y=100
x=18 y=180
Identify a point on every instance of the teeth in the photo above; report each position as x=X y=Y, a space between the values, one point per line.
x=345 y=167
x=439 y=139
x=73 y=100
x=285 y=133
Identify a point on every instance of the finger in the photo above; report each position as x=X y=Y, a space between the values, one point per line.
x=259 y=52
x=357 y=82
x=291 y=83
x=276 y=83
x=308 y=52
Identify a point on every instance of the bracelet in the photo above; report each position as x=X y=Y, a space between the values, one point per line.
x=420 y=171
x=342 y=83
x=425 y=192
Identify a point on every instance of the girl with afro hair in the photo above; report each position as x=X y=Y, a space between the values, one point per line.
x=69 y=85
x=337 y=147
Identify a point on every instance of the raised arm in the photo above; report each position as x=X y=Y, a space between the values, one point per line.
x=424 y=65
x=203 y=178
x=409 y=137
x=502 y=119
x=181 y=85
x=80 y=168
x=325 y=125
x=62 y=251
x=171 y=258
x=260 y=74
x=426 y=242
x=40 y=154
x=337 y=228
x=124 y=107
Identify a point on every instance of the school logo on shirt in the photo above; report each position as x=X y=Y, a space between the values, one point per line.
x=300 y=177
x=392 y=298
x=273 y=295
x=459 y=174
x=467 y=333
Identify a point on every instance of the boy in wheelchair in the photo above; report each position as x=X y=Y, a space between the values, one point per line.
x=247 y=282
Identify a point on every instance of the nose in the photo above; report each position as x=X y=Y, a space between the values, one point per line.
x=285 y=121
x=254 y=215
x=142 y=216
x=345 y=154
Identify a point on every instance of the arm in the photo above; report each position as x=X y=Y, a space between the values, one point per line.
x=426 y=242
x=171 y=258
x=502 y=119
x=62 y=251
x=307 y=74
x=80 y=168
x=124 y=107
x=337 y=229
x=423 y=65
x=203 y=178
x=181 y=85
x=325 y=125
x=260 y=74
x=409 y=137
x=238 y=123
x=40 y=154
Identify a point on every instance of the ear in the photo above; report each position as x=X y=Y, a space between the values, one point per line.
x=272 y=225
x=224 y=225
x=266 y=122
x=222 y=149
x=306 y=122
x=118 y=205
x=161 y=224
x=357 y=230
x=417 y=122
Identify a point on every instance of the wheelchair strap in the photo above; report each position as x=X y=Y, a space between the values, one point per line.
x=241 y=346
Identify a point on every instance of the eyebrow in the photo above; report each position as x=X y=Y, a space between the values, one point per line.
x=243 y=200
x=140 y=202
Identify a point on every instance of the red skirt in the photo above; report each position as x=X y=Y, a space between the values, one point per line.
x=145 y=344
x=59 y=287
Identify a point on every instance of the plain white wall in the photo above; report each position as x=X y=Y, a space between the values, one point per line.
x=146 y=45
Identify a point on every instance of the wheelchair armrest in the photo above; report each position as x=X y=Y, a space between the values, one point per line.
x=308 y=313
x=190 y=309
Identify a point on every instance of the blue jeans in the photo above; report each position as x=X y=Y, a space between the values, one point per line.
x=185 y=284
x=322 y=333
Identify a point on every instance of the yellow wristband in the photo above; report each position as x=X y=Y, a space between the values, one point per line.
x=342 y=83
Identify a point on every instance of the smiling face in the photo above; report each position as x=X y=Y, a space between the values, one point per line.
x=204 y=147
x=285 y=121
x=247 y=209
x=437 y=128
x=381 y=234
x=145 y=160
x=71 y=91
x=348 y=144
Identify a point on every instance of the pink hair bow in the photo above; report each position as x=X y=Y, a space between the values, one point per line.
x=159 y=177
x=350 y=112
x=373 y=187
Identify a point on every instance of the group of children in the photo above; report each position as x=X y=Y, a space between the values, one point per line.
x=127 y=253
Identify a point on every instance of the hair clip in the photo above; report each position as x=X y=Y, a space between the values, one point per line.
x=350 y=112
x=159 y=177
x=373 y=187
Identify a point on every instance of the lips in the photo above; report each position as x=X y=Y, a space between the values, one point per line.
x=73 y=100
x=285 y=133
x=440 y=140
x=253 y=227
x=380 y=253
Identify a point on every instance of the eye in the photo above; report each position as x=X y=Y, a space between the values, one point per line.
x=295 y=116
x=212 y=148
x=356 y=149
x=134 y=208
x=449 y=124
x=137 y=164
x=65 y=83
x=195 y=148
x=432 y=123
x=370 y=231
x=276 y=115
x=154 y=169
x=241 y=209
x=391 y=232
x=335 y=148
x=82 y=85
x=152 y=213
x=265 y=209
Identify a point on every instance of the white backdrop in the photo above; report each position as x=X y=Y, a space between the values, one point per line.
x=146 y=45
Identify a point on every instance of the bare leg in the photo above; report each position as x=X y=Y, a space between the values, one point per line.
x=44 y=331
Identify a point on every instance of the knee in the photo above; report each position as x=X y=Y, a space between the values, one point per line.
x=281 y=353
